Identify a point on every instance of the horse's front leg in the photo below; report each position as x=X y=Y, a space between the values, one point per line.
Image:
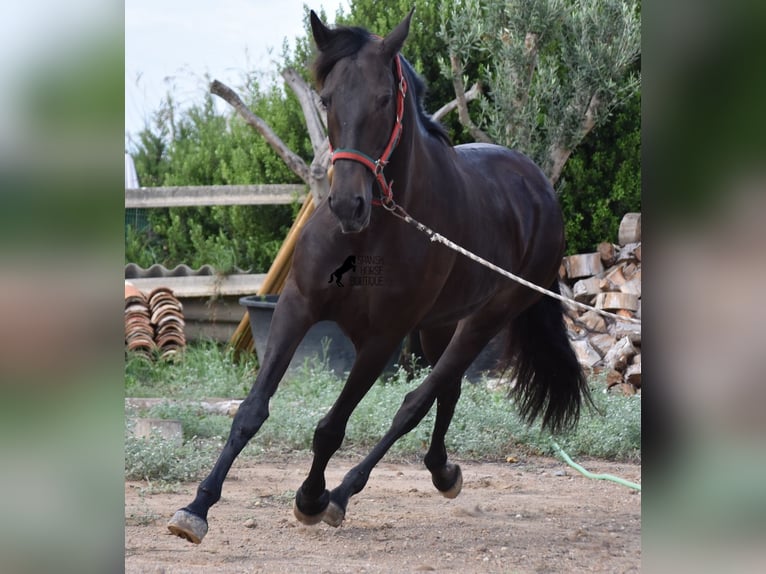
x=312 y=498
x=291 y=320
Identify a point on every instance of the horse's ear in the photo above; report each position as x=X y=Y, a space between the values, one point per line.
x=395 y=39
x=322 y=33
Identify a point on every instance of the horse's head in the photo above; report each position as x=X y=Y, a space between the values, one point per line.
x=356 y=77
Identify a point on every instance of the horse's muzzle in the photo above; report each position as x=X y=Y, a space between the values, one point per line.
x=352 y=211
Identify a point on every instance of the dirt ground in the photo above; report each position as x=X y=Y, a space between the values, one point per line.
x=534 y=515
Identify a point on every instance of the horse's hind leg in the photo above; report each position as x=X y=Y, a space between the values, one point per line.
x=312 y=498
x=470 y=338
x=446 y=476
x=289 y=325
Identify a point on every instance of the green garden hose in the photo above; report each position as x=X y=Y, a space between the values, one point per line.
x=588 y=474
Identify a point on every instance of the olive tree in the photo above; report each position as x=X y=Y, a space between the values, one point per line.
x=552 y=70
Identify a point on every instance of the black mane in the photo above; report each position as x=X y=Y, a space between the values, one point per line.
x=344 y=42
x=417 y=87
x=347 y=41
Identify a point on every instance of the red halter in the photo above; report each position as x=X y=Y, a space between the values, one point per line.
x=377 y=166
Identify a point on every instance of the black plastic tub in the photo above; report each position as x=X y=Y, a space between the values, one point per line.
x=324 y=340
x=339 y=353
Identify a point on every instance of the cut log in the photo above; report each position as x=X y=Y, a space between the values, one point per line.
x=569 y=308
x=613 y=378
x=615 y=277
x=630 y=229
x=586 y=355
x=633 y=286
x=619 y=355
x=583 y=265
x=633 y=375
x=630 y=270
x=608 y=253
x=626 y=389
x=621 y=329
x=614 y=300
x=585 y=289
x=628 y=252
x=637 y=252
x=602 y=343
x=593 y=321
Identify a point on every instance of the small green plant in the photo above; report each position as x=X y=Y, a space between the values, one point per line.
x=204 y=370
x=195 y=422
x=156 y=459
x=486 y=425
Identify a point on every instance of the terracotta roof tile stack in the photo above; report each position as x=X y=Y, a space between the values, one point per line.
x=168 y=319
x=154 y=324
x=139 y=332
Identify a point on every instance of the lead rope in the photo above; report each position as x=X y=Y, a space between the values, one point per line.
x=399 y=212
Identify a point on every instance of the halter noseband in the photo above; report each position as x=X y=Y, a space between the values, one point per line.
x=377 y=166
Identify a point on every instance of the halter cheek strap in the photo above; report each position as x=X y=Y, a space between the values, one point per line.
x=377 y=166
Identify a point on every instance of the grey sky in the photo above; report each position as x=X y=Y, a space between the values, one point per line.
x=171 y=44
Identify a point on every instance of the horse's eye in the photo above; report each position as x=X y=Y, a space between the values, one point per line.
x=324 y=101
x=384 y=100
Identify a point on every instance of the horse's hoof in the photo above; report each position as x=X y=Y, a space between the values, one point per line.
x=188 y=526
x=310 y=511
x=334 y=515
x=307 y=519
x=456 y=487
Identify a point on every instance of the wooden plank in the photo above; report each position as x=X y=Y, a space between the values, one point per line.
x=196 y=196
x=204 y=285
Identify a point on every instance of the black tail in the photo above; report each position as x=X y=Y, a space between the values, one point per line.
x=549 y=379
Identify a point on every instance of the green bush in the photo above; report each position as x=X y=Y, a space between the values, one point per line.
x=602 y=180
x=201 y=146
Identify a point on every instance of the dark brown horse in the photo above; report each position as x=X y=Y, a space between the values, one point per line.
x=493 y=201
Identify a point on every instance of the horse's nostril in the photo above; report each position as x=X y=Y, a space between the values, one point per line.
x=329 y=201
x=359 y=207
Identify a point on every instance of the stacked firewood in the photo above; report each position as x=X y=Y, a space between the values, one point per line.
x=154 y=323
x=609 y=279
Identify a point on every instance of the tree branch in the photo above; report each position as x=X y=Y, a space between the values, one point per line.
x=293 y=161
x=470 y=95
x=319 y=181
x=307 y=97
x=559 y=155
x=462 y=103
x=316 y=122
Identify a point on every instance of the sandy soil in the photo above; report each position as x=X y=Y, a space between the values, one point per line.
x=534 y=515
